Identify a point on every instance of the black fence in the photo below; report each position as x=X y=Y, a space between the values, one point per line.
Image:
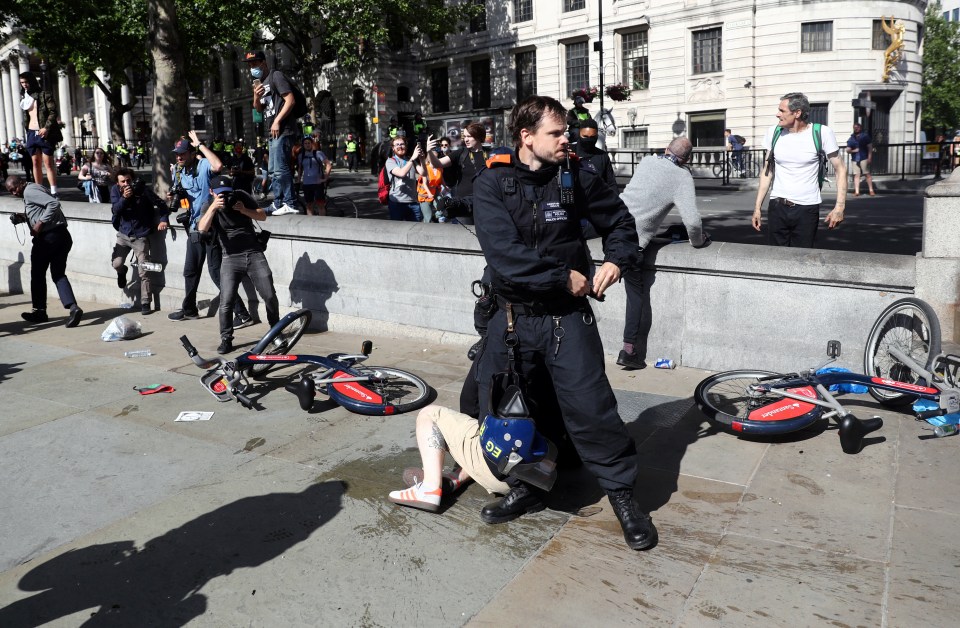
x=898 y=160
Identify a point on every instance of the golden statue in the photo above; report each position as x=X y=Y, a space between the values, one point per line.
x=894 y=52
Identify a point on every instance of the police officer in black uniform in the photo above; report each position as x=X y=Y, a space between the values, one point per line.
x=527 y=208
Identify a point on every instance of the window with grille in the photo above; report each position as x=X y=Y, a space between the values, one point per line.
x=574 y=5
x=818 y=113
x=578 y=67
x=440 y=89
x=816 y=37
x=480 y=83
x=635 y=140
x=636 y=68
x=707 y=50
x=522 y=10
x=881 y=38
x=706 y=128
x=526 y=74
x=478 y=23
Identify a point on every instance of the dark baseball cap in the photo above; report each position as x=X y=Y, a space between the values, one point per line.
x=255 y=55
x=220 y=184
x=183 y=146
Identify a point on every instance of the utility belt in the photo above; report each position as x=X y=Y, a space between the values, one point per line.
x=539 y=308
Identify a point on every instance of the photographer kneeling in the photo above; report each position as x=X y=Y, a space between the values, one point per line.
x=228 y=220
x=135 y=209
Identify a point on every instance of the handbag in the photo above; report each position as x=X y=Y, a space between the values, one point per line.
x=262 y=236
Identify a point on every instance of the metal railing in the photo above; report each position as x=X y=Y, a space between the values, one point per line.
x=898 y=160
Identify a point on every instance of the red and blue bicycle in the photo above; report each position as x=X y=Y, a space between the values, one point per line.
x=903 y=364
x=370 y=390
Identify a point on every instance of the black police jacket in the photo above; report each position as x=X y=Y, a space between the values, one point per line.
x=531 y=241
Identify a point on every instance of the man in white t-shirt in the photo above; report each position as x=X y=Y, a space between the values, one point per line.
x=794 y=208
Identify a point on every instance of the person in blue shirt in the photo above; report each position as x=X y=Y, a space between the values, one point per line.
x=735 y=145
x=192 y=175
x=860 y=150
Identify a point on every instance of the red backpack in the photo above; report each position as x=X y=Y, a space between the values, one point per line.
x=383 y=189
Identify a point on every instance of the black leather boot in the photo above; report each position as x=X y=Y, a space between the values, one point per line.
x=638 y=529
x=519 y=501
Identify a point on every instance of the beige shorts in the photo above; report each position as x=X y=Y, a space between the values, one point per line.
x=858 y=169
x=462 y=434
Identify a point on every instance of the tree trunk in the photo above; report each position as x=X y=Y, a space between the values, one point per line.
x=117 y=110
x=171 y=115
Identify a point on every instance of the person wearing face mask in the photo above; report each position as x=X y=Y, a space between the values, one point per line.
x=275 y=97
x=587 y=150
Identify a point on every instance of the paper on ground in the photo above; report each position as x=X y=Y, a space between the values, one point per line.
x=194 y=415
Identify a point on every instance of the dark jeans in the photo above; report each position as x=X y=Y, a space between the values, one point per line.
x=400 y=210
x=50 y=250
x=352 y=161
x=633 y=317
x=233 y=269
x=199 y=251
x=588 y=407
x=792 y=225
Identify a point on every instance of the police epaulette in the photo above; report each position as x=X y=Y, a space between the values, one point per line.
x=502 y=159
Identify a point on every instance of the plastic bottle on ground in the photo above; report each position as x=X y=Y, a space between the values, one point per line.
x=138 y=353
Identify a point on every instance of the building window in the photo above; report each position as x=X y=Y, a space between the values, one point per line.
x=239 y=121
x=526 y=74
x=235 y=80
x=706 y=128
x=956 y=15
x=478 y=23
x=707 y=50
x=440 y=89
x=816 y=37
x=578 y=66
x=818 y=113
x=522 y=10
x=199 y=122
x=636 y=68
x=480 y=83
x=218 y=123
x=574 y=5
x=217 y=86
x=403 y=94
x=881 y=38
x=635 y=140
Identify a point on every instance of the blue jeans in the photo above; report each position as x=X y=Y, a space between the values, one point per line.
x=280 y=176
x=404 y=211
x=233 y=268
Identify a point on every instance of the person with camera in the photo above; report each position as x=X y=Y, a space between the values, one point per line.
x=228 y=220
x=402 y=177
x=51 y=246
x=135 y=211
x=191 y=183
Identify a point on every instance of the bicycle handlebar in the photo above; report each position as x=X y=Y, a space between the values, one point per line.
x=929 y=414
x=198 y=359
x=243 y=399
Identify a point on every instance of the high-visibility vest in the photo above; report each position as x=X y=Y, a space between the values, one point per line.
x=351 y=146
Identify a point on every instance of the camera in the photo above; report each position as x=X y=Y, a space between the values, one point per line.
x=139 y=187
x=454 y=207
x=184 y=219
x=16 y=219
x=178 y=198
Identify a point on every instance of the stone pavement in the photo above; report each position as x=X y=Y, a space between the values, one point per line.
x=114 y=514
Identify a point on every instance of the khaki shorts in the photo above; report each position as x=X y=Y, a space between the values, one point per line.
x=462 y=434
x=859 y=168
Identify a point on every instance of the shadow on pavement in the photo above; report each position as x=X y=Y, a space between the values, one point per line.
x=159 y=583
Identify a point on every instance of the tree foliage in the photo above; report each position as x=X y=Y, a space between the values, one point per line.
x=940 y=96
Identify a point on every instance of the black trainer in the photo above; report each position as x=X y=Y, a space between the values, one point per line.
x=239 y=322
x=146 y=309
x=519 y=501
x=75 y=315
x=226 y=346
x=36 y=316
x=122 y=277
x=630 y=360
x=180 y=315
x=638 y=529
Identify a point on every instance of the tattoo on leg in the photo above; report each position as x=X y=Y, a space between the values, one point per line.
x=435 y=439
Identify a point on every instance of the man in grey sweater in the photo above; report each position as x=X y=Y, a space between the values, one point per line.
x=51 y=245
x=658 y=183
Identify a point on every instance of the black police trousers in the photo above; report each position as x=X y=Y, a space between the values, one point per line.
x=587 y=405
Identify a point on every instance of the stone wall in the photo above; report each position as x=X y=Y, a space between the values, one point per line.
x=726 y=306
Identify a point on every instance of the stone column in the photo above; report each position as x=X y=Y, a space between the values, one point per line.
x=125 y=97
x=4 y=137
x=13 y=74
x=938 y=264
x=101 y=112
x=66 y=107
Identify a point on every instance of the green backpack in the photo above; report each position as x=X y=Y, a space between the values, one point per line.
x=817 y=143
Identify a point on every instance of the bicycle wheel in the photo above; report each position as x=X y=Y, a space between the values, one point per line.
x=728 y=399
x=279 y=340
x=342 y=206
x=391 y=392
x=911 y=326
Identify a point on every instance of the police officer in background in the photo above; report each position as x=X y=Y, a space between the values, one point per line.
x=527 y=207
x=576 y=117
x=588 y=151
